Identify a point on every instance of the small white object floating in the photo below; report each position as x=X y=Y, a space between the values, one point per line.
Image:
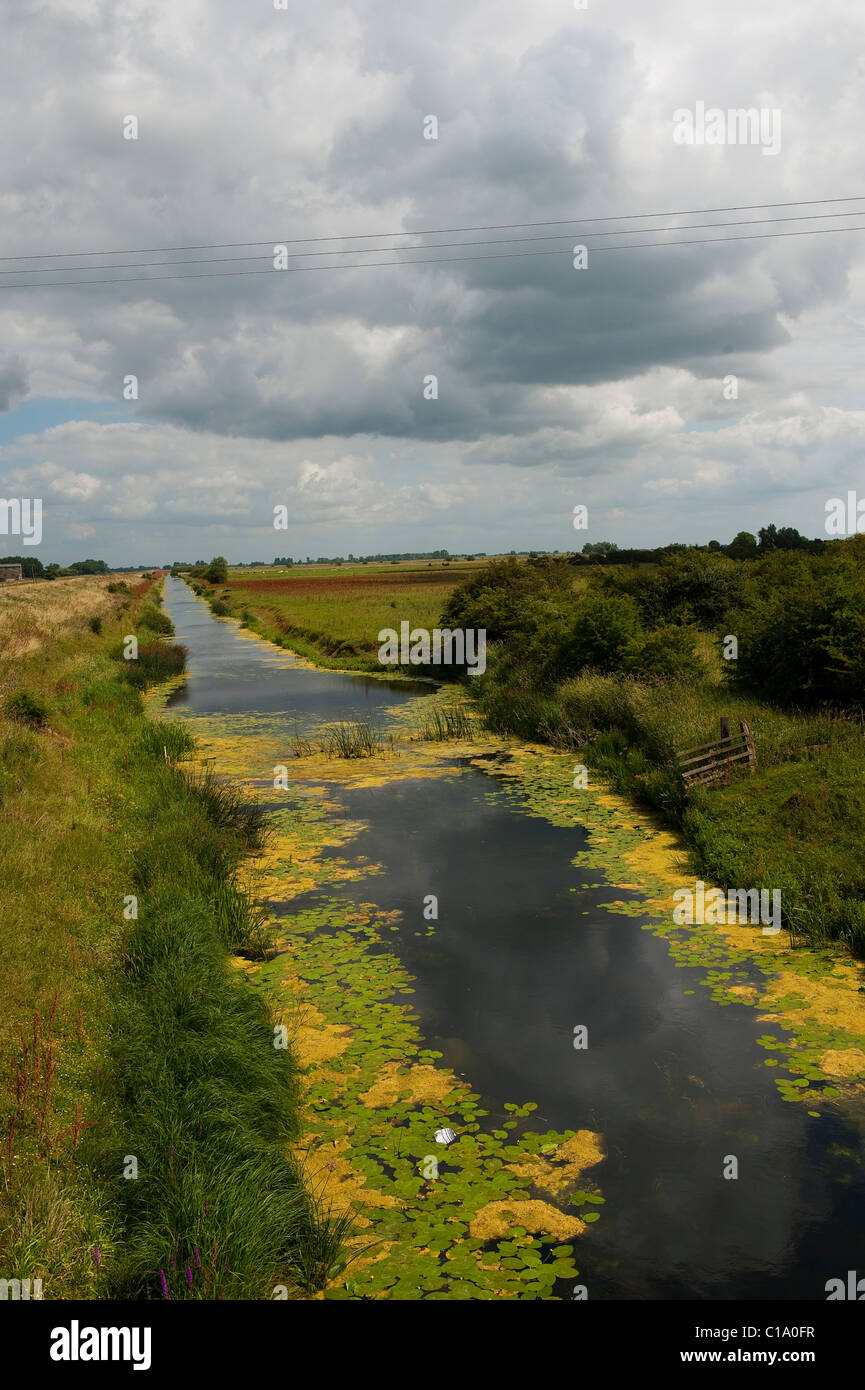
x=444 y=1136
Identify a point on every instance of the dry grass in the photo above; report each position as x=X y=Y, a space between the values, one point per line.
x=39 y=610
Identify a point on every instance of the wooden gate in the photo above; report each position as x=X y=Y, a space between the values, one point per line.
x=712 y=763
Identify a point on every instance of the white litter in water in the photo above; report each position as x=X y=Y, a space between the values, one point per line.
x=444 y=1136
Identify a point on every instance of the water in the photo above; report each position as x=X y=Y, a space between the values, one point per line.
x=523 y=952
x=231 y=674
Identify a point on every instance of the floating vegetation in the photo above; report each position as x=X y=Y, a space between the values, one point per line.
x=481 y=1215
x=812 y=995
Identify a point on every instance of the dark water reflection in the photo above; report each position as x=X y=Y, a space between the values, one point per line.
x=523 y=951
x=674 y=1082
x=230 y=674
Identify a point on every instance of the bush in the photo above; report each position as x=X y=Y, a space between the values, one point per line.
x=503 y=597
x=693 y=587
x=155 y=620
x=667 y=654
x=217 y=570
x=157 y=661
x=95 y=625
x=603 y=629
x=801 y=629
x=27 y=709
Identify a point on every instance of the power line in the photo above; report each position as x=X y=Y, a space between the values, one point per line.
x=434 y=231
x=434 y=260
x=440 y=246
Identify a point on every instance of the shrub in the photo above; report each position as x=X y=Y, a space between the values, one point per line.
x=27 y=709
x=502 y=597
x=155 y=620
x=603 y=628
x=157 y=661
x=667 y=654
x=95 y=625
x=217 y=570
x=801 y=630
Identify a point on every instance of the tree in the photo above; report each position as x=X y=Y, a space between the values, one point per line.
x=743 y=546
x=217 y=570
x=31 y=568
x=88 y=567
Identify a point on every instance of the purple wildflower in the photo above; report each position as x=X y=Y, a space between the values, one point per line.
x=197 y=1260
x=189 y=1276
x=164 y=1283
x=96 y=1256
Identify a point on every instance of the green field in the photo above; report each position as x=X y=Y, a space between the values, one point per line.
x=333 y=614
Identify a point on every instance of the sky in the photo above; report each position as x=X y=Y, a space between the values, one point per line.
x=678 y=392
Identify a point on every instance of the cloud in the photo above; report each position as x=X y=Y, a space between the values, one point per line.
x=257 y=125
x=13 y=382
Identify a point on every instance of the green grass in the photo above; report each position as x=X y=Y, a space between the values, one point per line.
x=333 y=614
x=132 y=1036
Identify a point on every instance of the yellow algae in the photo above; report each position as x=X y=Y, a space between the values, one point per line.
x=837 y=1003
x=583 y=1150
x=497 y=1219
x=336 y=1183
x=848 y=1063
x=313 y=1039
x=419 y=1083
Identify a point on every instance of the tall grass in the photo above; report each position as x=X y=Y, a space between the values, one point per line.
x=446 y=724
x=360 y=739
x=137 y=1039
x=157 y=661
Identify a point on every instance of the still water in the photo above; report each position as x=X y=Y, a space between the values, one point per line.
x=523 y=952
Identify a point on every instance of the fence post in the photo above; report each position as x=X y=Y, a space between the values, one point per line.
x=725 y=734
x=752 y=752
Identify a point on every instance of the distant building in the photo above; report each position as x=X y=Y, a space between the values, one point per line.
x=9 y=574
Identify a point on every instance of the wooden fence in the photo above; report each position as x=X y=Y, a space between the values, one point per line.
x=712 y=763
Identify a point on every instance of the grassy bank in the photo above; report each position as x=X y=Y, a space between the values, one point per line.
x=146 y=1134
x=632 y=671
